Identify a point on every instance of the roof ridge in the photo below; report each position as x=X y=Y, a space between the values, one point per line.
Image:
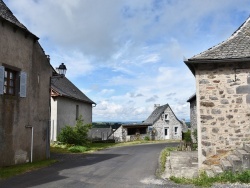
x=67 y=89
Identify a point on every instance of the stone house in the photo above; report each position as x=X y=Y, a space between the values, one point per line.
x=222 y=75
x=68 y=103
x=162 y=124
x=24 y=98
x=193 y=116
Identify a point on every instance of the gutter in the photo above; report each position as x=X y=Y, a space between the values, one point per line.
x=32 y=140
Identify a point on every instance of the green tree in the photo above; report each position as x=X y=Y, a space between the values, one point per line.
x=77 y=135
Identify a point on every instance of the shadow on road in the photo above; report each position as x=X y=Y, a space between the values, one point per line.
x=52 y=173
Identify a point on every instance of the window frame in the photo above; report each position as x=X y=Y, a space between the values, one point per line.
x=175 y=130
x=10 y=82
x=19 y=81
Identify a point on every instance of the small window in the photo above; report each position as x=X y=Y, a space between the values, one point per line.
x=77 y=112
x=165 y=117
x=9 y=82
x=12 y=81
x=176 y=130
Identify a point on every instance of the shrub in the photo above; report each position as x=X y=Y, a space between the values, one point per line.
x=77 y=149
x=77 y=135
x=187 y=137
x=146 y=138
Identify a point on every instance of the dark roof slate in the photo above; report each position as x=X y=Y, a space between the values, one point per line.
x=67 y=89
x=155 y=115
x=236 y=46
x=192 y=98
x=6 y=14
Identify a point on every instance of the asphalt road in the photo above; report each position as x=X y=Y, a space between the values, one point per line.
x=130 y=166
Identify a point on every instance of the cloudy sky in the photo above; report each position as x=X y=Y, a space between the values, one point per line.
x=127 y=55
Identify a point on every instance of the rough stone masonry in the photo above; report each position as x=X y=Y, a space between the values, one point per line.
x=223 y=96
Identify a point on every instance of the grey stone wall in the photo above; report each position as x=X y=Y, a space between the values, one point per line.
x=223 y=107
x=161 y=124
x=193 y=115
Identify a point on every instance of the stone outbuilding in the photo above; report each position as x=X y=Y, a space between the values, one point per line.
x=193 y=112
x=24 y=93
x=222 y=75
x=162 y=124
x=68 y=103
x=193 y=117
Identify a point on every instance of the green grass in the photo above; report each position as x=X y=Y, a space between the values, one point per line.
x=163 y=158
x=204 y=181
x=91 y=147
x=6 y=172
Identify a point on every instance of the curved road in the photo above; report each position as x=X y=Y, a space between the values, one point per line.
x=130 y=166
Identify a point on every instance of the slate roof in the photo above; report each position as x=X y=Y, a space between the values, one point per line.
x=136 y=125
x=6 y=14
x=235 y=47
x=193 y=97
x=63 y=87
x=156 y=114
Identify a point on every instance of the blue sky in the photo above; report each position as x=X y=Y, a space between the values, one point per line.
x=127 y=55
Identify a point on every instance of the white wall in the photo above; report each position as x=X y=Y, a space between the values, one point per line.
x=53 y=120
x=65 y=111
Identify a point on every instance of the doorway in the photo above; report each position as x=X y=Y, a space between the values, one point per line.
x=166 y=133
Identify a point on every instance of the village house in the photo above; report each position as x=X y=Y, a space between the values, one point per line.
x=162 y=124
x=24 y=98
x=193 y=117
x=68 y=103
x=222 y=75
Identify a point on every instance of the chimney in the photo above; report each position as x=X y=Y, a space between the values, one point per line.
x=156 y=106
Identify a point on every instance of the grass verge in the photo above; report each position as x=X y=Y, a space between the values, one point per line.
x=162 y=160
x=204 y=181
x=91 y=147
x=6 y=172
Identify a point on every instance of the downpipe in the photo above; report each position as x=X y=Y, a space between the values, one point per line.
x=32 y=140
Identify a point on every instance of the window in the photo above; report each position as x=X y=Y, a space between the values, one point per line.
x=12 y=81
x=9 y=82
x=176 y=130
x=165 y=117
x=77 y=112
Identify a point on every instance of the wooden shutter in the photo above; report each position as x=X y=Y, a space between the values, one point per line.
x=1 y=79
x=23 y=84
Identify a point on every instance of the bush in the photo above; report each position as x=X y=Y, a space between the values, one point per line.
x=146 y=138
x=187 y=137
x=77 y=135
x=77 y=149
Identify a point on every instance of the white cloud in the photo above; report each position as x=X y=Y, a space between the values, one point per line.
x=126 y=52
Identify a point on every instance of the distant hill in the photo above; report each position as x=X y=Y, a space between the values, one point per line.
x=188 y=124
